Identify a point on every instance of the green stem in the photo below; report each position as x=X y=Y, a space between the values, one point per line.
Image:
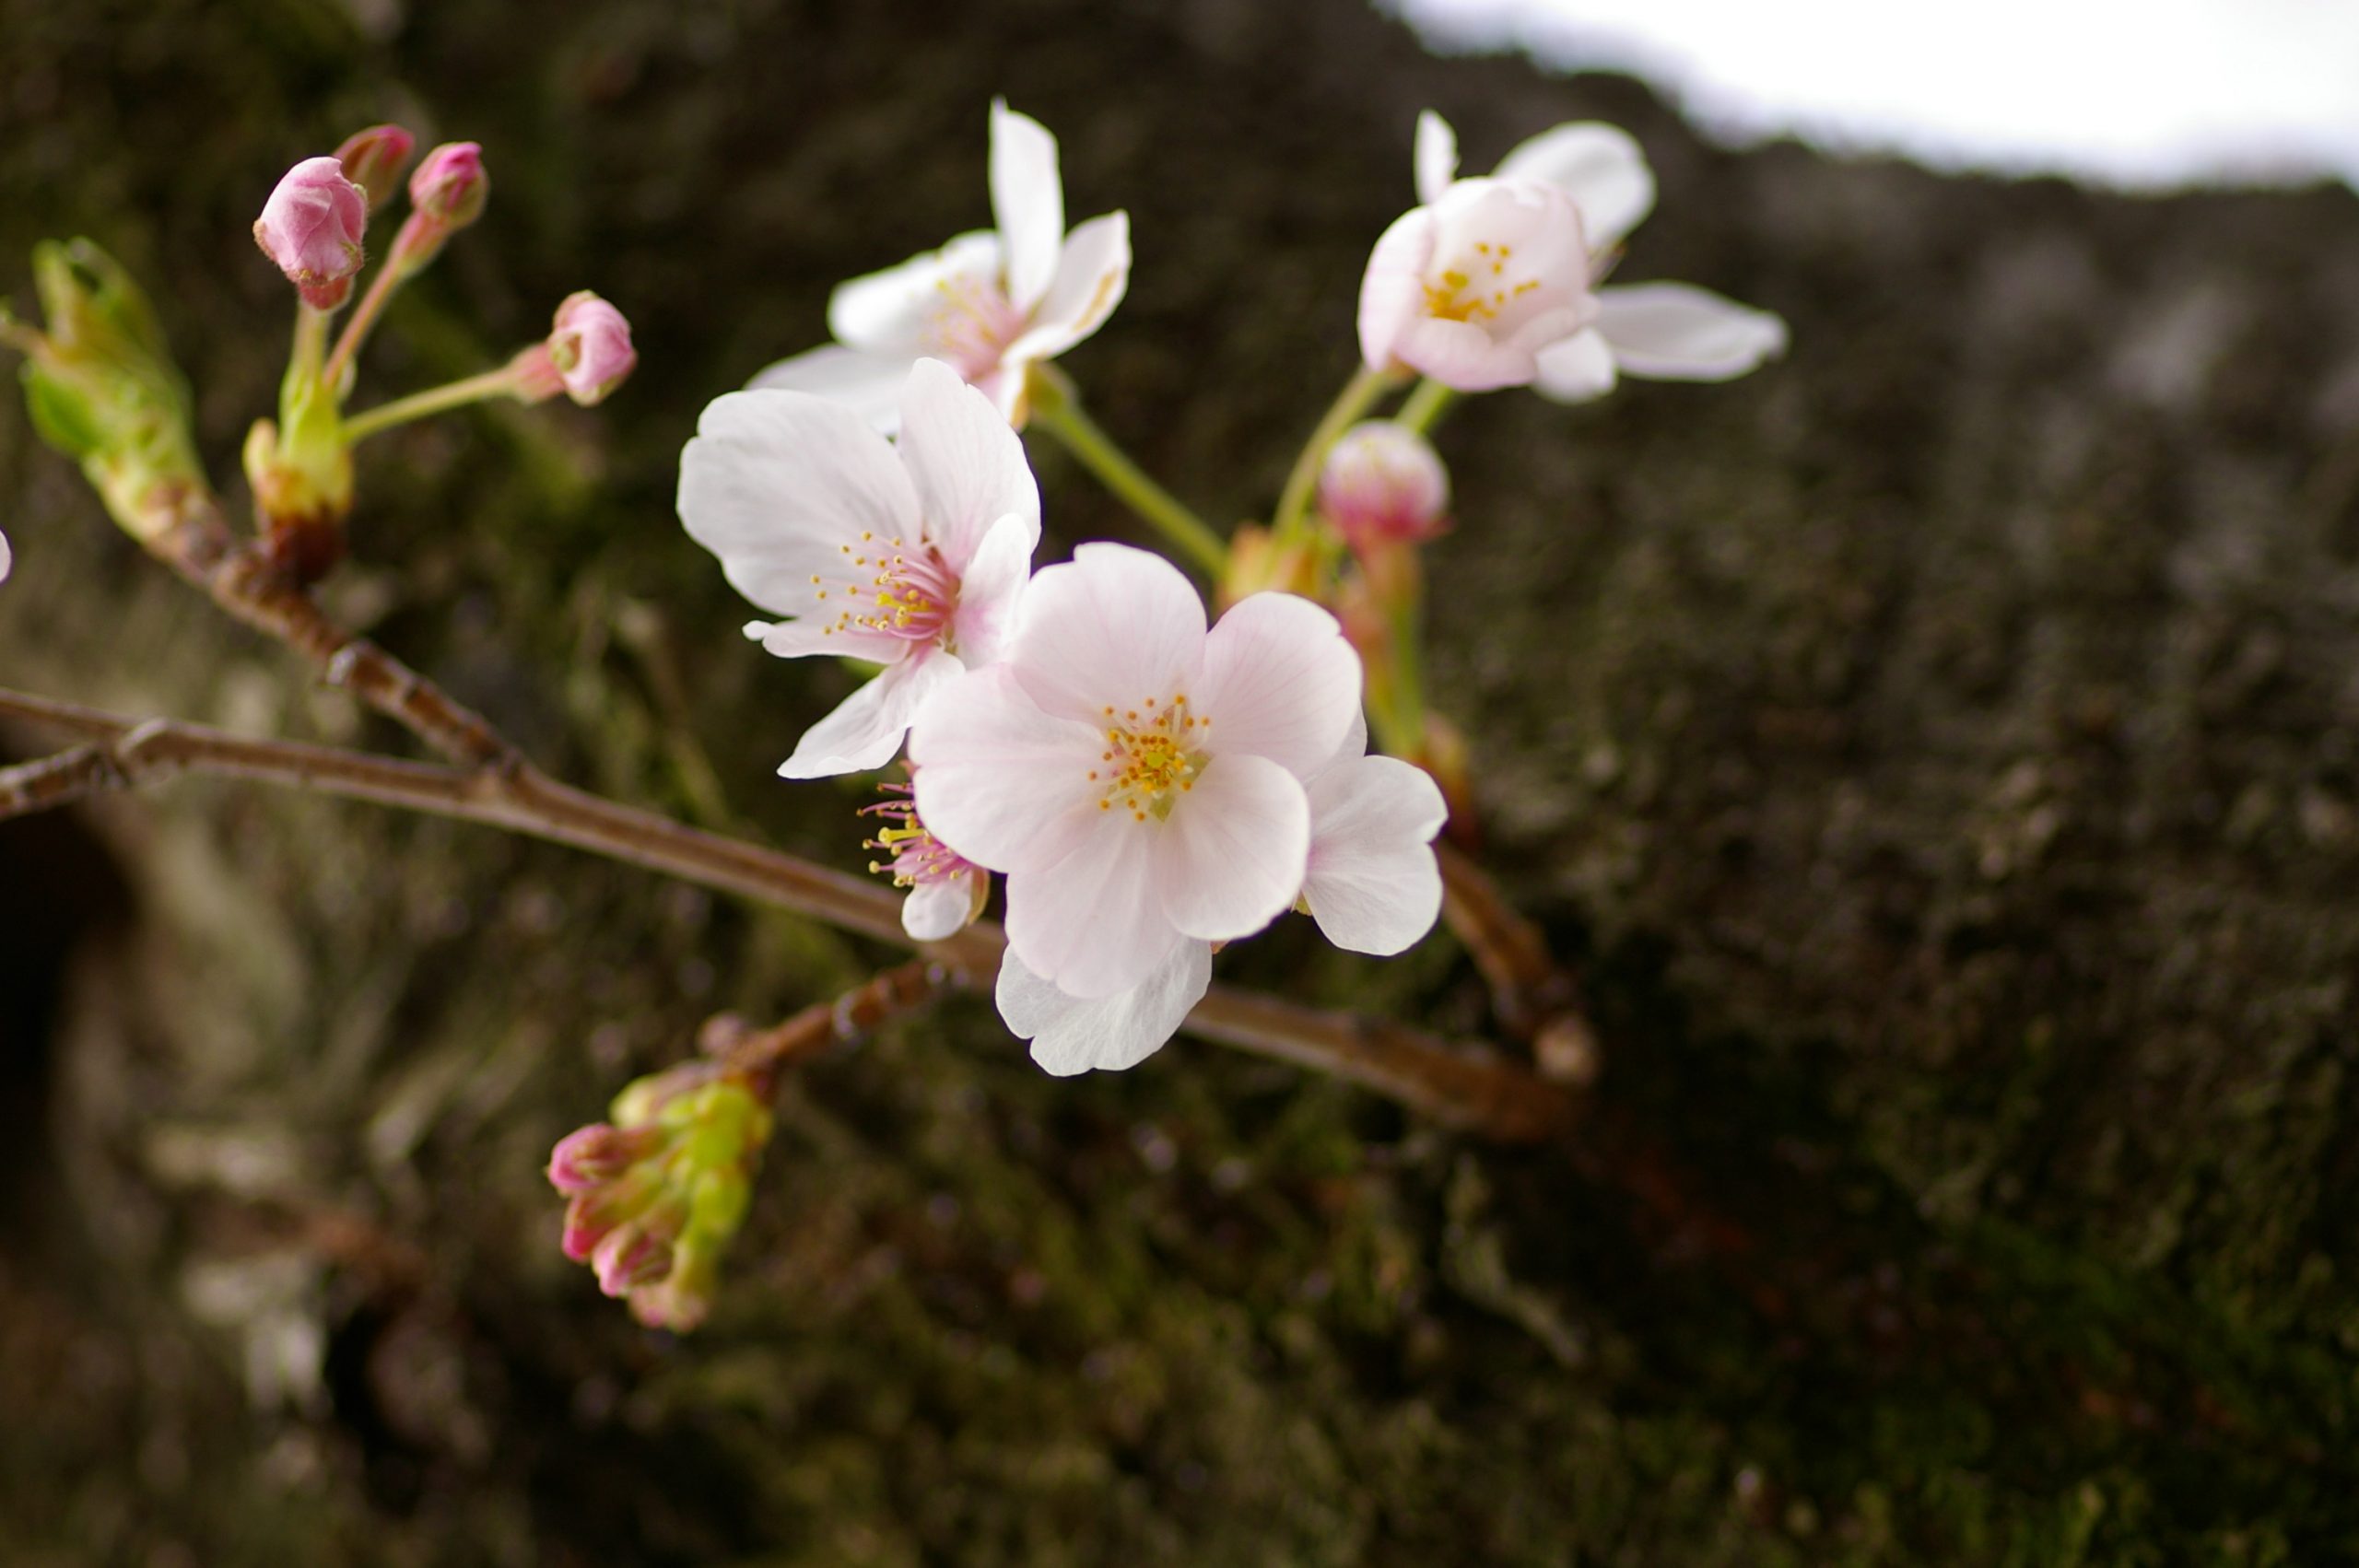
x=364 y=316
x=1427 y=405
x=1293 y=502
x=1056 y=410
x=434 y=400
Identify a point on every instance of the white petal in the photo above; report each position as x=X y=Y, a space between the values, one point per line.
x=1093 y=273
x=1027 y=202
x=1069 y=1034
x=936 y=909
x=1374 y=885
x=967 y=466
x=1279 y=681
x=1437 y=155
x=865 y=382
x=1676 y=332
x=1092 y=922
x=1599 y=166
x=800 y=639
x=866 y=728
x=887 y=311
x=999 y=782
x=7 y=560
x=776 y=483
x=1232 y=855
x=990 y=593
x=1577 y=369
x=1111 y=627
x=1393 y=290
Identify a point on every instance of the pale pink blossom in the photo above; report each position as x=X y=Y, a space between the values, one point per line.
x=1138 y=780
x=991 y=303
x=1383 y=483
x=311 y=227
x=946 y=892
x=1069 y=1034
x=1659 y=330
x=589 y=347
x=912 y=555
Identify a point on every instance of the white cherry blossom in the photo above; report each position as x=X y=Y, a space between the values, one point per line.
x=911 y=554
x=991 y=303
x=7 y=560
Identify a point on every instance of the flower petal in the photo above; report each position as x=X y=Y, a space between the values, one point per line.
x=1600 y=167
x=1463 y=356
x=1435 y=157
x=889 y=311
x=1392 y=290
x=866 y=728
x=936 y=909
x=866 y=383
x=1279 y=681
x=1112 y=627
x=1231 y=857
x=1676 y=332
x=1093 y=273
x=1000 y=782
x=1092 y=923
x=7 y=560
x=1027 y=202
x=990 y=592
x=1069 y=1034
x=1579 y=369
x=967 y=466
x=776 y=483
x=800 y=639
x=1374 y=885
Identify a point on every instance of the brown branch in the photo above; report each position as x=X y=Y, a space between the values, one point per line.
x=1536 y=1000
x=1473 y=1089
x=741 y=1049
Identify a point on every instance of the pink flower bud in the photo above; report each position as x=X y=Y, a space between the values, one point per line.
x=450 y=186
x=594 y=1155
x=312 y=227
x=634 y=1256
x=1384 y=485
x=591 y=348
x=372 y=159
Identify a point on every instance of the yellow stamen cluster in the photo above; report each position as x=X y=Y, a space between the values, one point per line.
x=1152 y=756
x=904 y=594
x=1457 y=297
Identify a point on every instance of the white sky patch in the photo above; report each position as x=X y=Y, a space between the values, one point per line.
x=2137 y=92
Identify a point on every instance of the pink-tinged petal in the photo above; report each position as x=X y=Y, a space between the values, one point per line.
x=1374 y=885
x=1093 y=273
x=1071 y=1035
x=867 y=383
x=1093 y=923
x=991 y=591
x=967 y=466
x=1393 y=290
x=776 y=483
x=1507 y=252
x=1111 y=627
x=1577 y=369
x=1599 y=166
x=1279 y=681
x=1437 y=156
x=889 y=311
x=937 y=910
x=7 y=560
x=1354 y=743
x=1460 y=355
x=801 y=640
x=1676 y=332
x=1231 y=858
x=1027 y=202
x=865 y=729
x=1001 y=783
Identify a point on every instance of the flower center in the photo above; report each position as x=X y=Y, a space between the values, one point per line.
x=912 y=854
x=971 y=324
x=1152 y=756
x=1478 y=286
x=893 y=590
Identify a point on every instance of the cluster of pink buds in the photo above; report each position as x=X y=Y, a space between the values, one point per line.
x=655 y=1195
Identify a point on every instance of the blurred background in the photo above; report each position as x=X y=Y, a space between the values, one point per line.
x=1936 y=750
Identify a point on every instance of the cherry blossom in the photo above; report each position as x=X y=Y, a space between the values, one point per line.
x=1139 y=781
x=945 y=891
x=1383 y=483
x=1659 y=330
x=311 y=227
x=7 y=560
x=589 y=347
x=989 y=303
x=912 y=555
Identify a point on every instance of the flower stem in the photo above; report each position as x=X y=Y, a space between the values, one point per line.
x=1425 y=407
x=433 y=400
x=1293 y=502
x=390 y=277
x=1408 y=725
x=1056 y=409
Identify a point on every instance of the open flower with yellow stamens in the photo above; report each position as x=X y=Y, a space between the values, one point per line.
x=990 y=304
x=911 y=554
x=946 y=892
x=1139 y=779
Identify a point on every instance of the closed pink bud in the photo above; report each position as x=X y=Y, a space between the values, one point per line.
x=312 y=227
x=591 y=348
x=595 y=1155
x=634 y=1256
x=372 y=159
x=450 y=187
x=1384 y=485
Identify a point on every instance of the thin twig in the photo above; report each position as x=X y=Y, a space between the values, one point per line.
x=1536 y=1000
